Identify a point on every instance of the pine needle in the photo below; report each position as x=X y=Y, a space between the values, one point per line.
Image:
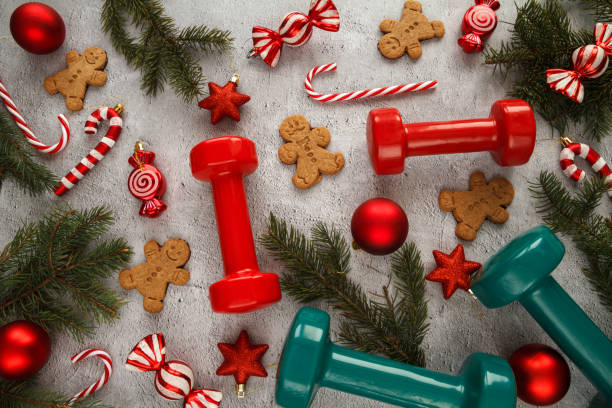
x=318 y=268
x=52 y=271
x=543 y=38
x=575 y=215
x=16 y=161
x=26 y=394
x=161 y=52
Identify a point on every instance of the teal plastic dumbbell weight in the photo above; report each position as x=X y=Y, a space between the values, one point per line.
x=521 y=271
x=310 y=360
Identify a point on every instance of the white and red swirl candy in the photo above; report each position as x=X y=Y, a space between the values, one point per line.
x=295 y=30
x=590 y=62
x=478 y=24
x=173 y=379
x=147 y=183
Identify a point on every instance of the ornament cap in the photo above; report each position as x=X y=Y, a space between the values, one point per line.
x=240 y=390
x=119 y=108
x=235 y=78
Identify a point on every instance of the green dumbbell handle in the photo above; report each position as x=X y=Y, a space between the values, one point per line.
x=390 y=381
x=576 y=334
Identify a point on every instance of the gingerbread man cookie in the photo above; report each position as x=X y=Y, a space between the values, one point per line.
x=483 y=200
x=404 y=35
x=83 y=70
x=163 y=266
x=306 y=147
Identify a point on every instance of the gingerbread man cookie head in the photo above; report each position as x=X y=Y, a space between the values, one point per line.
x=176 y=251
x=96 y=57
x=502 y=190
x=405 y=35
x=305 y=146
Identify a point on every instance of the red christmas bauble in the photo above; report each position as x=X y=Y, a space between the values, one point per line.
x=542 y=374
x=37 y=28
x=379 y=226
x=24 y=349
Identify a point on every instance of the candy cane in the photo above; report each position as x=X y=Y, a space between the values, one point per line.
x=30 y=137
x=97 y=153
x=591 y=156
x=367 y=93
x=108 y=370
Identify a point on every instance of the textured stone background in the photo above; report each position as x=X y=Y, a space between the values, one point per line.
x=459 y=326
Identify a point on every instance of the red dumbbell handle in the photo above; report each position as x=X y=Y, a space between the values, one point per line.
x=233 y=224
x=460 y=136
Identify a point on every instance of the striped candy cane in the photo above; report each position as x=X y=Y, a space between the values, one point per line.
x=97 y=153
x=591 y=156
x=367 y=93
x=25 y=129
x=108 y=370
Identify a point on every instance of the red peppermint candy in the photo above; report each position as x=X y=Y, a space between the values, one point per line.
x=590 y=62
x=295 y=30
x=173 y=379
x=478 y=24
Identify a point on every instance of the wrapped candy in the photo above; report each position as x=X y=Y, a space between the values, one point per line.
x=478 y=24
x=295 y=30
x=173 y=379
x=590 y=62
x=146 y=182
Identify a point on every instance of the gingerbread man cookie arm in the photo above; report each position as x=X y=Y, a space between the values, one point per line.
x=438 y=28
x=179 y=276
x=446 y=200
x=498 y=215
x=98 y=78
x=321 y=136
x=128 y=277
x=71 y=57
x=332 y=166
x=151 y=250
x=477 y=179
x=388 y=25
x=289 y=153
x=413 y=5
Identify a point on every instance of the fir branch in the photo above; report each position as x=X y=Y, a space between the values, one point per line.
x=162 y=53
x=16 y=160
x=26 y=394
x=51 y=271
x=542 y=38
x=602 y=10
x=576 y=216
x=317 y=269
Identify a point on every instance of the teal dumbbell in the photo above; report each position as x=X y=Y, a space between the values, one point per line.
x=310 y=360
x=521 y=271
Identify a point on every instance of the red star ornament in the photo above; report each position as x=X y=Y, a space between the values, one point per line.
x=453 y=271
x=242 y=360
x=224 y=101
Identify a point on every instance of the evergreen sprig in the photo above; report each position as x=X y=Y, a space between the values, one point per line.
x=575 y=215
x=602 y=10
x=16 y=161
x=26 y=394
x=162 y=52
x=52 y=270
x=542 y=38
x=317 y=269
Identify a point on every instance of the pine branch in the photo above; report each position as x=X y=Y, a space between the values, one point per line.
x=162 y=53
x=317 y=269
x=602 y=10
x=52 y=272
x=16 y=160
x=576 y=216
x=542 y=38
x=25 y=394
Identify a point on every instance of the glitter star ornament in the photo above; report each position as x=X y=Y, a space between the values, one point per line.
x=242 y=360
x=453 y=271
x=224 y=101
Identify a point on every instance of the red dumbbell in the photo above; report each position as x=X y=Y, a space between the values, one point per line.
x=509 y=134
x=223 y=161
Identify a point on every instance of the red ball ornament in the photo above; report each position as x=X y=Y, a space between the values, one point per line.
x=37 y=28
x=24 y=349
x=379 y=226
x=542 y=375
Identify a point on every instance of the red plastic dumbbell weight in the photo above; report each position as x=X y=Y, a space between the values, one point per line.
x=509 y=134
x=223 y=161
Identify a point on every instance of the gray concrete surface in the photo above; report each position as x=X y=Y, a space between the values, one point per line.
x=169 y=127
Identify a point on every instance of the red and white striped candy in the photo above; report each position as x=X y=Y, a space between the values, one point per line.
x=295 y=30
x=591 y=156
x=590 y=62
x=25 y=129
x=97 y=153
x=108 y=370
x=367 y=93
x=174 y=379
